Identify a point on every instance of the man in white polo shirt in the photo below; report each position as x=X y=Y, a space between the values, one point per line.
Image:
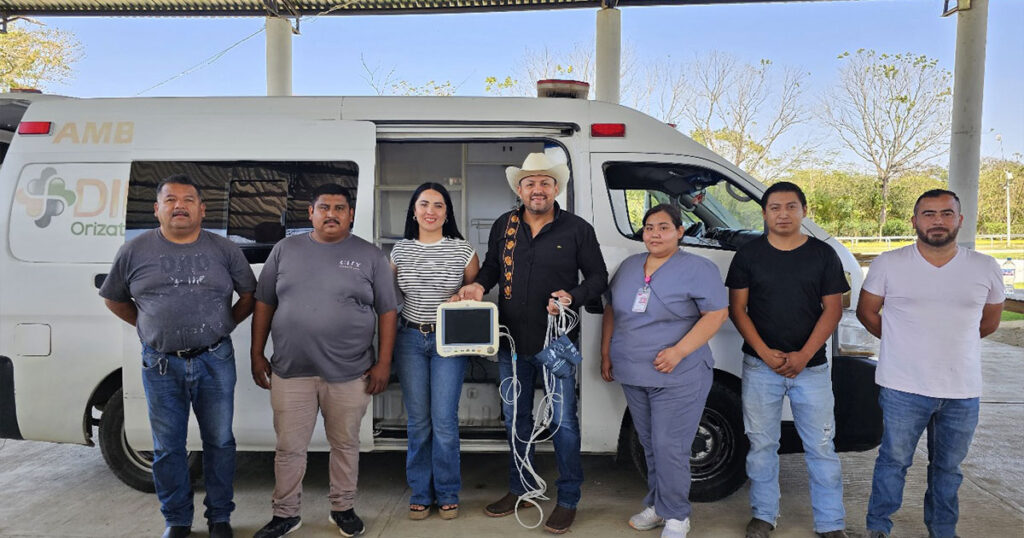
x=940 y=300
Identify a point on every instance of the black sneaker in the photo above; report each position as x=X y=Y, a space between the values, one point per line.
x=221 y=529
x=348 y=523
x=279 y=526
x=176 y=532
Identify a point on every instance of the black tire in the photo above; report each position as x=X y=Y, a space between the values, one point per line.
x=719 y=451
x=133 y=467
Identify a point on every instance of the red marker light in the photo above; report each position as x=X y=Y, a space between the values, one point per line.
x=34 y=128
x=608 y=130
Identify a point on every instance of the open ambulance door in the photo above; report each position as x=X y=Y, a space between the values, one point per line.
x=247 y=164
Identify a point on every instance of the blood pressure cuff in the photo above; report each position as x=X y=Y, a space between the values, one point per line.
x=560 y=357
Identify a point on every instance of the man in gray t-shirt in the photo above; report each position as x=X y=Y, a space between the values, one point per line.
x=175 y=284
x=320 y=295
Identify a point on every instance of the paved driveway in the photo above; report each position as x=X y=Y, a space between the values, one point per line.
x=65 y=490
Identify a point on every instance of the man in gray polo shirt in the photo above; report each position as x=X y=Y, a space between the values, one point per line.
x=320 y=295
x=175 y=284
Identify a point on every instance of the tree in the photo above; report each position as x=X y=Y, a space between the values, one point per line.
x=992 y=185
x=575 y=62
x=30 y=58
x=840 y=201
x=739 y=110
x=387 y=84
x=742 y=110
x=891 y=110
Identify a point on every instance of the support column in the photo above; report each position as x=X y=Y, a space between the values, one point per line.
x=279 y=56
x=968 y=89
x=609 y=53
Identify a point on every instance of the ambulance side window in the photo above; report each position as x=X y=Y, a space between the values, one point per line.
x=715 y=212
x=253 y=203
x=11 y=112
x=256 y=216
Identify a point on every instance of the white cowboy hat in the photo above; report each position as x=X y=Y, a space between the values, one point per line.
x=538 y=164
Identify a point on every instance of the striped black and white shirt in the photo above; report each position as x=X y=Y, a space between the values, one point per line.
x=429 y=274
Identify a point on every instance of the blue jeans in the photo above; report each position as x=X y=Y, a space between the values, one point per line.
x=564 y=423
x=950 y=424
x=207 y=383
x=431 y=387
x=810 y=397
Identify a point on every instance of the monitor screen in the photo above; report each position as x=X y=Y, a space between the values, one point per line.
x=470 y=326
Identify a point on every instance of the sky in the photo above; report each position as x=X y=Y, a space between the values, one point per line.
x=129 y=56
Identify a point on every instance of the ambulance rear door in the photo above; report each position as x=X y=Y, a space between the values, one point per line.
x=257 y=164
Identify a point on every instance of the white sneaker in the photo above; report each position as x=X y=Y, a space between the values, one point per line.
x=675 y=528
x=646 y=520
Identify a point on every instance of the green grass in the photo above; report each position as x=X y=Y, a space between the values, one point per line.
x=1011 y=316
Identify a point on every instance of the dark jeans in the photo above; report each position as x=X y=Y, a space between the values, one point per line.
x=565 y=424
x=950 y=423
x=207 y=384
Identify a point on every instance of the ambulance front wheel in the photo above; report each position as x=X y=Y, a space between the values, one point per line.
x=719 y=451
x=131 y=466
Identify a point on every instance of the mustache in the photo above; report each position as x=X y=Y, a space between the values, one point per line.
x=336 y=221
x=179 y=212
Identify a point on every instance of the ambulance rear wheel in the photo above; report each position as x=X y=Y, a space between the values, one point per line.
x=131 y=466
x=719 y=451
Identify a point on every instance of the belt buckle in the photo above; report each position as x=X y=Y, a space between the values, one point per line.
x=182 y=353
x=424 y=328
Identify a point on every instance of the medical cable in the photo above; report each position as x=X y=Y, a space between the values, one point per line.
x=510 y=388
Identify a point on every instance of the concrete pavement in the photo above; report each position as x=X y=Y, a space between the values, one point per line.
x=50 y=490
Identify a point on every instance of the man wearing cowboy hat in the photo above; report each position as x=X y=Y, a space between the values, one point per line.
x=535 y=253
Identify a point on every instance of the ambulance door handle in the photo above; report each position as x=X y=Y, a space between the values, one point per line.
x=98 y=280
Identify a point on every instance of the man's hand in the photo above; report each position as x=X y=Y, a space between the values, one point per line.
x=667 y=359
x=561 y=296
x=793 y=364
x=471 y=292
x=772 y=357
x=378 y=378
x=261 y=371
x=606 y=369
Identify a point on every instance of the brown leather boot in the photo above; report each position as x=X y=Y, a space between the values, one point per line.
x=505 y=506
x=561 y=519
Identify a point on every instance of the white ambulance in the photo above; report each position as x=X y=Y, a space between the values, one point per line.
x=77 y=179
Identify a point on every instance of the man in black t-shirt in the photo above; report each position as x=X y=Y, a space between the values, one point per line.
x=785 y=297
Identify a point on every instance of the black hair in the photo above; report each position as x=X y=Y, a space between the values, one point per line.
x=449 y=229
x=331 y=189
x=671 y=210
x=937 y=193
x=178 y=179
x=783 y=186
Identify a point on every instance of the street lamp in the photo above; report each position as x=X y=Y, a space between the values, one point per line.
x=1008 y=176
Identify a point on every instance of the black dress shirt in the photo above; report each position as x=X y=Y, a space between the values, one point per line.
x=543 y=264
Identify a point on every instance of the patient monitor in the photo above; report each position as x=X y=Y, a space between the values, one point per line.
x=467 y=328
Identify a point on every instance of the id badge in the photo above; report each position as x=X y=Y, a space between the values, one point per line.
x=643 y=295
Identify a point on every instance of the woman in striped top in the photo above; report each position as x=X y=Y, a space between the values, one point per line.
x=431 y=264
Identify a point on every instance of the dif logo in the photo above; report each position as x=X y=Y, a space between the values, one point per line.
x=48 y=196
